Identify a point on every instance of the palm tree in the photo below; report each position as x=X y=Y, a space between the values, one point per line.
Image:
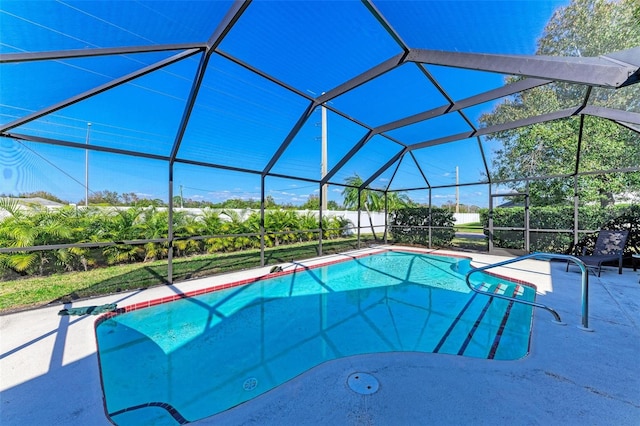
x=34 y=228
x=211 y=224
x=82 y=224
x=236 y=225
x=119 y=225
x=337 y=227
x=370 y=200
x=186 y=225
x=398 y=200
x=277 y=221
x=154 y=224
x=308 y=222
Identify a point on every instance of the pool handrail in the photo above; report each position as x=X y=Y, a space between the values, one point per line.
x=539 y=256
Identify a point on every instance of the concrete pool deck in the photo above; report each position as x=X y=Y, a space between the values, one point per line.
x=49 y=369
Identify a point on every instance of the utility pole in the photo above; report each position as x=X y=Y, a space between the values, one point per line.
x=323 y=165
x=457 y=192
x=181 y=198
x=86 y=168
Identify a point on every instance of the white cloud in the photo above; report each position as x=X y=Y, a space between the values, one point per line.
x=290 y=194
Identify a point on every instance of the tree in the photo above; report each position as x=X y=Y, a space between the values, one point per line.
x=370 y=200
x=238 y=203
x=129 y=198
x=106 y=197
x=583 y=28
x=313 y=203
x=398 y=200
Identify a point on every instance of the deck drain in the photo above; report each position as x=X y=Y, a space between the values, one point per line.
x=250 y=384
x=363 y=383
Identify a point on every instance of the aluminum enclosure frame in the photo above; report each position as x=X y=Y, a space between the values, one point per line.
x=611 y=71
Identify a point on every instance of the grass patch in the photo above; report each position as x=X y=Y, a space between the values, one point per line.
x=67 y=287
x=470 y=244
x=472 y=228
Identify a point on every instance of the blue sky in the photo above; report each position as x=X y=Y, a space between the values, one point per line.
x=240 y=119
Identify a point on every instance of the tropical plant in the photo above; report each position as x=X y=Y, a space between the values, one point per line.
x=37 y=227
x=334 y=227
x=186 y=225
x=398 y=200
x=278 y=221
x=154 y=224
x=355 y=197
x=236 y=225
x=119 y=225
x=210 y=224
x=307 y=222
x=79 y=223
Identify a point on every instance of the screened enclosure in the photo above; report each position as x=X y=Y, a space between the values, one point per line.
x=282 y=102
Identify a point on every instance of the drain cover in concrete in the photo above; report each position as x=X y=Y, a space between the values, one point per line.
x=363 y=383
x=250 y=384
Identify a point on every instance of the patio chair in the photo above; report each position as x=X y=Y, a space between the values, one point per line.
x=609 y=248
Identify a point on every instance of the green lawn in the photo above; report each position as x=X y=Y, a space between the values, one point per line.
x=470 y=244
x=60 y=288
x=474 y=228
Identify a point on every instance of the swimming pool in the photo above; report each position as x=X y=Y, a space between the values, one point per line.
x=198 y=356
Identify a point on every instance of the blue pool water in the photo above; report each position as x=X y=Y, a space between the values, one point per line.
x=195 y=357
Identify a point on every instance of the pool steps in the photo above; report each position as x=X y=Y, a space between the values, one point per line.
x=542 y=256
x=471 y=325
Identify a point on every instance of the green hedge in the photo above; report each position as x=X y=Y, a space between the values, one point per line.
x=410 y=226
x=590 y=218
x=41 y=227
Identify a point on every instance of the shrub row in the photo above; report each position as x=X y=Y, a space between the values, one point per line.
x=40 y=227
x=590 y=218
x=411 y=226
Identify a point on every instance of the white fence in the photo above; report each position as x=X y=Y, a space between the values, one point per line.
x=462 y=218
x=376 y=217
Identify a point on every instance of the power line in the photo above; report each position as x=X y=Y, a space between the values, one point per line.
x=52 y=164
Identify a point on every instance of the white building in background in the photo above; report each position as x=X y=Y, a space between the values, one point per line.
x=627 y=198
x=27 y=202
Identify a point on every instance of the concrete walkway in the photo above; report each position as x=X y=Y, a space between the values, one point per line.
x=49 y=369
